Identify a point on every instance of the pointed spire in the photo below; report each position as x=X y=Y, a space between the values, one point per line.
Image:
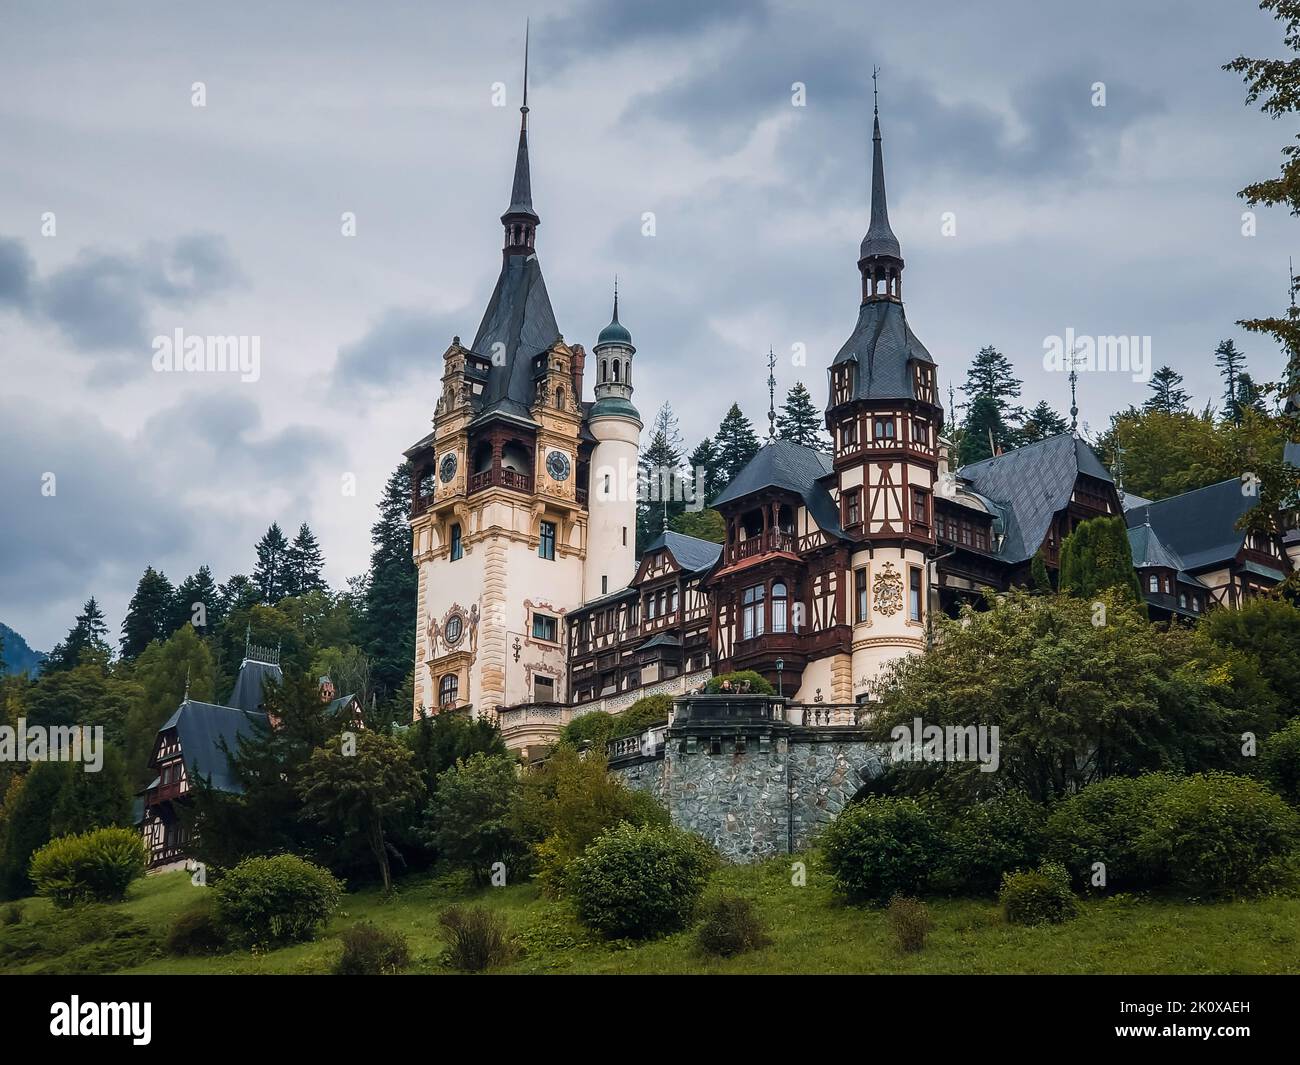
x=771 y=395
x=1074 y=399
x=520 y=219
x=880 y=239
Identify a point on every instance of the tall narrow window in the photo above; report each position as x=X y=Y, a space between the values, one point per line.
x=914 y=593
x=546 y=544
x=780 y=607
x=884 y=428
x=448 y=689
x=604 y=584
x=920 y=514
x=1153 y=583
x=852 y=507
x=751 y=613
x=860 y=593
x=457 y=551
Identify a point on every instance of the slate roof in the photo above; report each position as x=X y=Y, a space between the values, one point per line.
x=201 y=728
x=880 y=239
x=1148 y=552
x=794 y=467
x=1199 y=526
x=883 y=347
x=1029 y=485
x=692 y=554
x=663 y=639
x=247 y=694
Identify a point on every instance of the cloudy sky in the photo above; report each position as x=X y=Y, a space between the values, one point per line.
x=226 y=220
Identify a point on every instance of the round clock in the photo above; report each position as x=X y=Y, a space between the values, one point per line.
x=447 y=470
x=557 y=465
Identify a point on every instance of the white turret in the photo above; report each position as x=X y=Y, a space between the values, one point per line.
x=615 y=423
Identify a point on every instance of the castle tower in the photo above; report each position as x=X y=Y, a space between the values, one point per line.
x=499 y=507
x=616 y=425
x=885 y=421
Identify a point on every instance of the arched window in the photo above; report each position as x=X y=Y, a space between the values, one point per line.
x=604 y=370
x=780 y=603
x=616 y=371
x=1153 y=582
x=559 y=399
x=448 y=688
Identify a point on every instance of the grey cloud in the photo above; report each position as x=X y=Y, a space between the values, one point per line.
x=103 y=301
x=399 y=343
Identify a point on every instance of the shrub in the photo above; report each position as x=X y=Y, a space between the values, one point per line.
x=646 y=711
x=477 y=938
x=473 y=818
x=1279 y=761
x=272 y=901
x=1101 y=824
x=731 y=926
x=13 y=914
x=372 y=951
x=1219 y=834
x=909 y=920
x=745 y=678
x=1038 y=896
x=196 y=931
x=81 y=941
x=97 y=866
x=882 y=847
x=569 y=801
x=640 y=882
x=594 y=727
x=989 y=838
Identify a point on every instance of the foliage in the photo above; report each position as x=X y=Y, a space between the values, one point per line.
x=472 y=820
x=97 y=866
x=28 y=802
x=1039 y=581
x=706 y=524
x=800 y=421
x=659 y=473
x=1167 y=394
x=638 y=883
x=372 y=951
x=1040 y=423
x=736 y=444
x=1097 y=556
x=274 y=901
x=882 y=846
x=388 y=618
x=272 y=573
x=990 y=838
x=1217 y=834
x=86 y=694
x=731 y=926
x=1073 y=701
x=86 y=640
x=196 y=931
x=646 y=711
x=1269 y=631
x=1038 y=896
x=81 y=941
x=910 y=921
x=568 y=801
x=477 y=938
x=1101 y=823
x=163 y=673
x=197 y=589
x=149 y=613
x=12 y=914
x=705 y=473
x=354 y=785
x=594 y=727
x=91 y=800
x=439 y=741
x=981 y=431
x=304 y=563
x=745 y=678
x=1279 y=762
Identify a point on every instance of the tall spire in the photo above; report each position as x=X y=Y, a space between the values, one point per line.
x=771 y=395
x=520 y=220
x=880 y=257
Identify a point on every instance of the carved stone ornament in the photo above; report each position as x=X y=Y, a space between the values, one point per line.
x=887 y=589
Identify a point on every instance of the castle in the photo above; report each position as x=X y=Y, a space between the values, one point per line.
x=532 y=603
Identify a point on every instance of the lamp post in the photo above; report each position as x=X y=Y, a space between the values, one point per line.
x=780 y=685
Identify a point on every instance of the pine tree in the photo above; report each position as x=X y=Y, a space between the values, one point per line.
x=198 y=588
x=982 y=421
x=1097 y=556
x=1167 y=395
x=736 y=444
x=149 y=613
x=1040 y=423
x=238 y=593
x=991 y=377
x=388 y=621
x=800 y=420
x=304 y=563
x=1232 y=364
x=89 y=636
x=702 y=469
x=661 y=495
x=1039 y=581
x=272 y=573
x=1249 y=395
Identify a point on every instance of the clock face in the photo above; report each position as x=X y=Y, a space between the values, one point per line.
x=557 y=465
x=447 y=470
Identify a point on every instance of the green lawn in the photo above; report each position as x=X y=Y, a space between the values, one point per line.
x=811 y=933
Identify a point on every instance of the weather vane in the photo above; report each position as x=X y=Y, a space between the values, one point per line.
x=771 y=394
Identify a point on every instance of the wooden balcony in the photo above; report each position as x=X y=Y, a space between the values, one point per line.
x=766 y=543
x=501 y=477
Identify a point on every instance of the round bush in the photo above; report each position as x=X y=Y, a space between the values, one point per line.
x=594 y=727
x=1101 y=824
x=97 y=866
x=731 y=926
x=745 y=678
x=646 y=711
x=1038 y=896
x=638 y=883
x=990 y=838
x=1219 y=834
x=1279 y=761
x=882 y=847
x=272 y=901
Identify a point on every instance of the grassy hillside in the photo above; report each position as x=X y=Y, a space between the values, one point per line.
x=811 y=933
